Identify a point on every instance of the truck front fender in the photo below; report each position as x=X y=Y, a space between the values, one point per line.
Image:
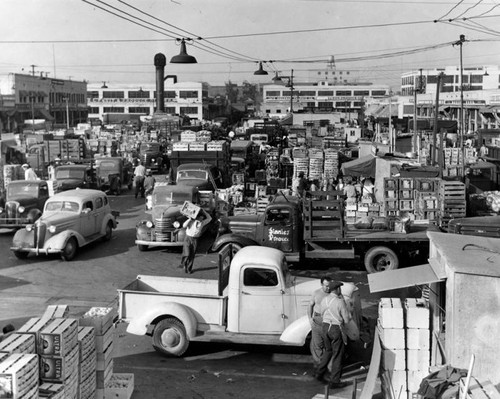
x=231 y=239
x=139 y=325
x=297 y=332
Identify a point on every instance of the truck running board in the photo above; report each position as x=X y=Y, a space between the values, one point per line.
x=330 y=254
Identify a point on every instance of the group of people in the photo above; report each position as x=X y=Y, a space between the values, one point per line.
x=144 y=180
x=334 y=319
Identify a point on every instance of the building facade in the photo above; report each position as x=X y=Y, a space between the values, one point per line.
x=184 y=98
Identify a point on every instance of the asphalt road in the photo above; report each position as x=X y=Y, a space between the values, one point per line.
x=27 y=287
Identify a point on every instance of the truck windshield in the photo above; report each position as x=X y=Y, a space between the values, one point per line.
x=192 y=174
x=108 y=165
x=149 y=147
x=70 y=174
x=166 y=197
x=278 y=215
x=61 y=206
x=15 y=190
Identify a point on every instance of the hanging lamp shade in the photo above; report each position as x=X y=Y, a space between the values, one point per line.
x=277 y=78
x=260 y=71
x=183 y=57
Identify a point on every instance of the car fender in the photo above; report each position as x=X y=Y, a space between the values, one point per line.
x=105 y=222
x=139 y=325
x=22 y=237
x=143 y=232
x=297 y=332
x=231 y=239
x=59 y=240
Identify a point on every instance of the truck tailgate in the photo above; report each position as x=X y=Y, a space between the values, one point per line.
x=148 y=292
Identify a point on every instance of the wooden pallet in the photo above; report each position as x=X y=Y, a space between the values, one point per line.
x=323 y=219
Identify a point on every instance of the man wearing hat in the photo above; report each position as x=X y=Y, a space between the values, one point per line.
x=29 y=173
x=316 y=321
x=335 y=314
x=149 y=182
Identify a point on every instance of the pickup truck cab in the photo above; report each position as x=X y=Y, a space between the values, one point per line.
x=72 y=176
x=255 y=300
x=202 y=176
x=24 y=203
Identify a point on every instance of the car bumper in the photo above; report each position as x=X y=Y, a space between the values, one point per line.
x=159 y=243
x=14 y=222
x=36 y=251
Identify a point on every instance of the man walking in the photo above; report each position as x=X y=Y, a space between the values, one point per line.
x=149 y=182
x=139 y=175
x=194 y=230
x=335 y=314
x=316 y=321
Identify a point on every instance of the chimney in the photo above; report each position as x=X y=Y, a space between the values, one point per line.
x=160 y=62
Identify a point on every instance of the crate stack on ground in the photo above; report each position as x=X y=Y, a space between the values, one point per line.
x=300 y=161
x=392 y=336
x=452 y=201
x=316 y=157
x=426 y=198
x=19 y=376
x=101 y=319
x=418 y=340
x=331 y=168
x=478 y=389
x=87 y=362
x=452 y=162
x=390 y=205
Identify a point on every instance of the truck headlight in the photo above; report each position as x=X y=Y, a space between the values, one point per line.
x=52 y=229
x=29 y=227
x=1 y=210
x=21 y=209
x=177 y=224
x=149 y=224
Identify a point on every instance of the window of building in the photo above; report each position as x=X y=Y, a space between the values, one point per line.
x=139 y=110
x=310 y=104
x=93 y=110
x=343 y=104
x=169 y=94
x=476 y=79
x=379 y=92
x=268 y=111
x=325 y=104
x=344 y=92
x=115 y=110
x=307 y=93
x=188 y=110
x=92 y=94
x=278 y=111
x=361 y=92
x=273 y=93
x=325 y=92
x=170 y=110
x=113 y=94
x=138 y=94
x=358 y=104
x=257 y=277
x=188 y=94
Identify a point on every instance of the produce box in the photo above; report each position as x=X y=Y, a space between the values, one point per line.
x=86 y=341
x=190 y=210
x=390 y=313
x=103 y=341
x=51 y=390
x=19 y=343
x=59 y=368
x=33 y=327
x=56 y=312
x=18 y=375
x=103 y=376
x=103 y=358
x=120 y=386
x=59 y=338
x=99 y=318
x=87 y=388
x=417 y=313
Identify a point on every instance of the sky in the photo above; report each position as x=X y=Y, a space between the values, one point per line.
x=115 y=41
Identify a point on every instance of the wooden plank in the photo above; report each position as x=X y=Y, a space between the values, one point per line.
x=374 y=369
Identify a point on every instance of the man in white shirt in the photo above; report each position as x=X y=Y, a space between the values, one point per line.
x=194 y=230
x=29 y=174
x=139 y=176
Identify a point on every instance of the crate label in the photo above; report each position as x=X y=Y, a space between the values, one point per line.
x=51 y=344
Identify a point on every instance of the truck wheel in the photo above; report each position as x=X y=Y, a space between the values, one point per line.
x=378 y=259
x=142 y=247
x=69 y=250
x=21 y=254
x=226 y=261
x=170 y=338
x=109 y=232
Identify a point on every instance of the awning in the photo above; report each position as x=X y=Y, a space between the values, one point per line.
x=364 y=166
x=407 y=277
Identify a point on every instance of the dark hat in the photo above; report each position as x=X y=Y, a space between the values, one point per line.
x=335 y=284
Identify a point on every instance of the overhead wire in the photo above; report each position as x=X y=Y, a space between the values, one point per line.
x=468 y=9
x=451 y=10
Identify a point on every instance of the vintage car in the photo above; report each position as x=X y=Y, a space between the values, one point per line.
x=73 y=176
x=24 y=203
x=70 y=220
x=113 y=174
x=201 y=175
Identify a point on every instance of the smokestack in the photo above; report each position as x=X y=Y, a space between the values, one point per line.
x=160 y=62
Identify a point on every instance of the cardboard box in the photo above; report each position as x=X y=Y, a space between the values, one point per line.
x=120 y=386
x=59 y=368
x=190 y=210
x=415 y=378
x=19 y=343
x=418 y=338
x=392 y=338
x=417 y=313
x=34 y=326
x=390 y=313
x=59 y=337
x=394 y=359
x=418 y=359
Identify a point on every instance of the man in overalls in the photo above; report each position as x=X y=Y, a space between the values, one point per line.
x=316 y=321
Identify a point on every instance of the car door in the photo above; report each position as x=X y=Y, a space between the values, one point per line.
x=278 y=228
x=88 y=218
x=261 y=307
x=100 y=203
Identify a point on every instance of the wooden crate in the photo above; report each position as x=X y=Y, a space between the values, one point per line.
x=391 y=184
x=406 y=183
x=406 y=194
x=427 y=184
x=451 y=191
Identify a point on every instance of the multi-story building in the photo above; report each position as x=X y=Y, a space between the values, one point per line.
x=183 y=98
x=321 y=97
x=32 y=97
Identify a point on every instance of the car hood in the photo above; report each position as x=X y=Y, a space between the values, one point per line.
x=23 y=200
x=60 y=219
x=168 y=211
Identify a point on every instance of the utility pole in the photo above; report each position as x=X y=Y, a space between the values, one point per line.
x=460 y=43
x=435 y=130
x=417 y=89
x=291 y=92
x=33 y=69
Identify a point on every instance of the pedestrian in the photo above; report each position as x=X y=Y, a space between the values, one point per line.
x=350 y=191
x=29 y=173
x=302 y=185
x=139 y=175
x=149 y=182
x=335 y=314
x=316 y=321
x=194 y=229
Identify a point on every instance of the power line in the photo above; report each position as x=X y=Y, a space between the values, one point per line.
x=449 y=12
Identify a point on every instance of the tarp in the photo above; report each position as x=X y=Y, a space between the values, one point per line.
x=364 y=166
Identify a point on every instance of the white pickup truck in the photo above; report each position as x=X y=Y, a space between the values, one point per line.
x=255 y=300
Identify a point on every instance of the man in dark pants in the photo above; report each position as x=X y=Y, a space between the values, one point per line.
x=335 y=314
x=194 y=230
x=316 y=321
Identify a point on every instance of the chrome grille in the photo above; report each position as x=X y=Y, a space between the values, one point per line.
x=11 y=209
x=39 y=236
x=164 y=229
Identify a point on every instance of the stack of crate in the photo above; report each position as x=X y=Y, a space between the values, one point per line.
x=87 y=362
x=331 y=168
x=300 y=165
x=418 y=341
x=452 y=162
x=315 y=163
x=391 y=197
x=101 y=319
x=406 y=194
x=426 y=198
x=392 y=336
x=452 y=201
x=18 y=343
x=19 y=375
x=58 y=352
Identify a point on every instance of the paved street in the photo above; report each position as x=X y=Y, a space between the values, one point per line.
x=207 y=370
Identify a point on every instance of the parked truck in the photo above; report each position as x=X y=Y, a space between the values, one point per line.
x=314 y=228
x=175 y=311
x=152 y=156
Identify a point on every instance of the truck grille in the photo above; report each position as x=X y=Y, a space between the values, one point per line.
x=11 y=209
x=39 y=236
x=164 y=229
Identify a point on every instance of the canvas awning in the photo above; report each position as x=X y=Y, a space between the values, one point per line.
x=407 y=277
x=364 y=166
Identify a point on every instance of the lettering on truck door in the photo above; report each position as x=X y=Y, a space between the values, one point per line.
x=261 y=300
x=278 y=229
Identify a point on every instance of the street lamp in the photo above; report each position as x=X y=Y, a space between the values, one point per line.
x=278 y=79
x=261 y=70
x=183 y=57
